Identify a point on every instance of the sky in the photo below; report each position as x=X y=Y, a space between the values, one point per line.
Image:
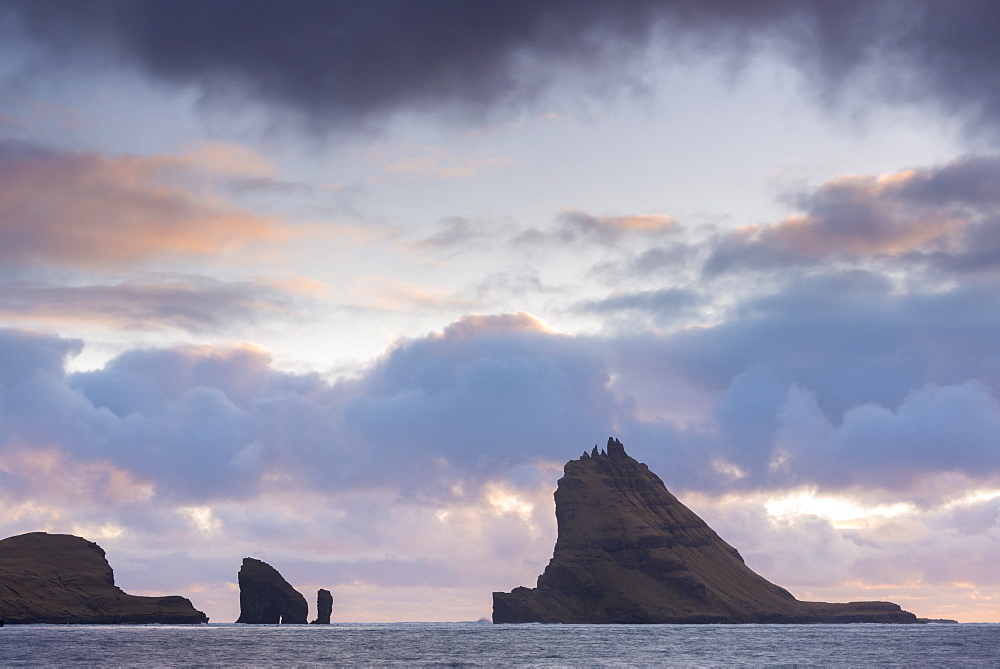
x=341 y=286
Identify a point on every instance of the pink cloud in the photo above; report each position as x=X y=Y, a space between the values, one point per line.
x=88 y=209
x=947 y=216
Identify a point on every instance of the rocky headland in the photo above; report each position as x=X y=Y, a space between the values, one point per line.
x=266 y=598
x=61 y=578
x=629 y=552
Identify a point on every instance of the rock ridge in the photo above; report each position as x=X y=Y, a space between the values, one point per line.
x=65 y=579
x=628 y=551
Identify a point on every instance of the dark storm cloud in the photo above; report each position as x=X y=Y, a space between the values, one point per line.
x=344 y=61
x=339 y=60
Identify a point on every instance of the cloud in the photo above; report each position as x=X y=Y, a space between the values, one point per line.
x=936 y=562
x=487 y=394
x=574 y=226
x=449 y=444
x=947 y=429
x=81 y=209
x=337 y=63
x=947 y=217
x=663 y=307
x=9 y=121
x=657 y=301
x=457 y=234
x=195 y=305
x=839 y=383
x=513 y=282
x=231 y=159
x=439 y=164
x=864 y=356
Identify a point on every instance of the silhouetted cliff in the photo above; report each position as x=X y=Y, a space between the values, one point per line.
x=629 y=552
x=267 y=598
x=324 y=607
x=60 y=578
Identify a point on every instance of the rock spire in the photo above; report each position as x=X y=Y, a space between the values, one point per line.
x=324 y=607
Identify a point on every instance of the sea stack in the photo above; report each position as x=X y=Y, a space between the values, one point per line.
x=324 y=607
x=629 y=552
x=61 y=578
x=268 y=599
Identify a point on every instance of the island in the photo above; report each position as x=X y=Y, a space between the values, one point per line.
x=628 y=551
x=61 y=578
x=266 y=598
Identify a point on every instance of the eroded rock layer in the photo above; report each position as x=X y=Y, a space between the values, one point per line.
x=60 y=578
x=629 y=552
x=268 y=599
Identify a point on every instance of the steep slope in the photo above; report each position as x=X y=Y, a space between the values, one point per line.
x=266 y=598
x=60 y=578
x=629 y=552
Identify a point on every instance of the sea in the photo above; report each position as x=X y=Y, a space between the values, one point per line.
x=486 y=645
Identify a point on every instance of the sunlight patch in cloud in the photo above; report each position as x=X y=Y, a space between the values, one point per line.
x=843 y=512
x=202 y=518
x=98 y=532
x=476 y=324
x=507 y=501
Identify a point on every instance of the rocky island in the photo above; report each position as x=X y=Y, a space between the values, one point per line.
x=61 y=578
x=629 y=552
x=324 y=607
x=266 y=598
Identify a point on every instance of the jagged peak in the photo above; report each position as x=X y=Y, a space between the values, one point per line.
x=585 y=456
x=628 y=551
x=594 y=452
x=615 y=448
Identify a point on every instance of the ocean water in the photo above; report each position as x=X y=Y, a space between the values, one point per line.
x=483 y=644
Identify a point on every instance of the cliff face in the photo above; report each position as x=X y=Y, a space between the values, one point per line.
x=60 y=578
x=268 y=599
x=629 y=552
